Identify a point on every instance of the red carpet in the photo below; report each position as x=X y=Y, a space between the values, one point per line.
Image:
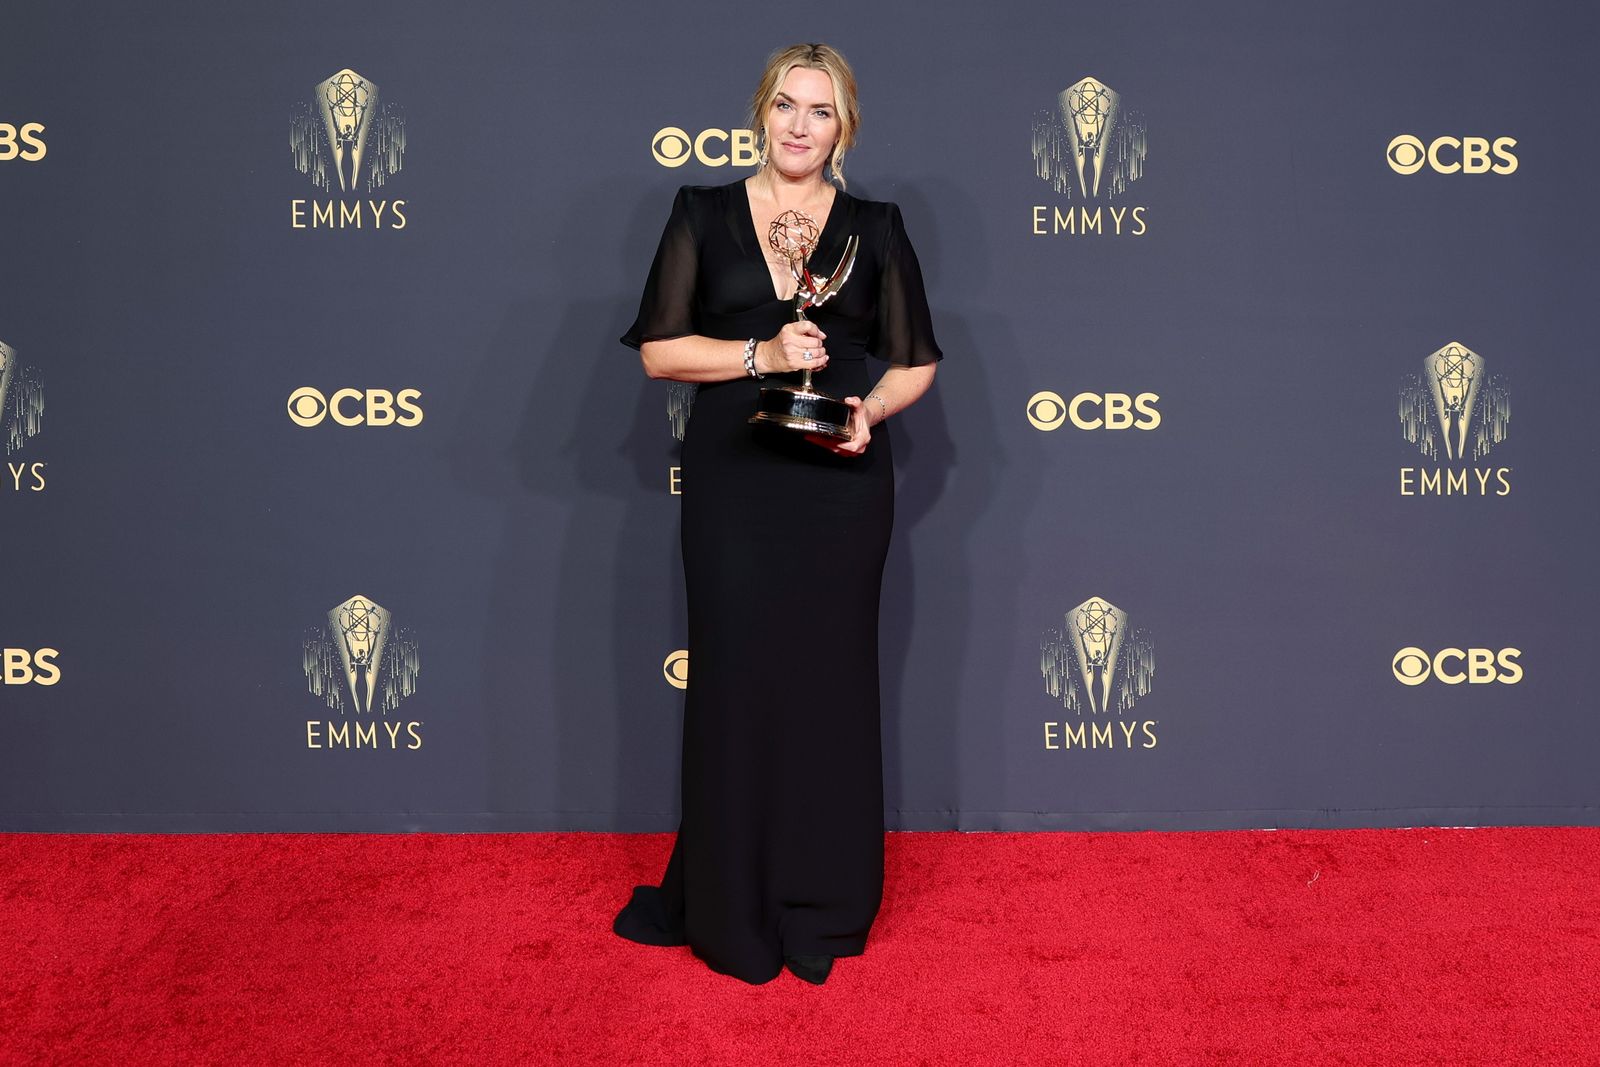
x=1303 y=947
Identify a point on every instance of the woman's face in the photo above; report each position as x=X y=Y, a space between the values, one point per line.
x=802 y=123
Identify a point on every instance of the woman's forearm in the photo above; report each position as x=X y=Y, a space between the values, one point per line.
x=900 y=387
x=707 y=359
x=694 y=359
x=798 y=346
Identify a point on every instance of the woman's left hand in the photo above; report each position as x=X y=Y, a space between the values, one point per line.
x=860 y=424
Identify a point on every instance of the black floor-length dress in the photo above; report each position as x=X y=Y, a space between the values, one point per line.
x=780 y=848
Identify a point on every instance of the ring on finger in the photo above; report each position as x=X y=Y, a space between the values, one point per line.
x=806 y=354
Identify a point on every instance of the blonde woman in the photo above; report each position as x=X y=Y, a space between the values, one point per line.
x=779 y=855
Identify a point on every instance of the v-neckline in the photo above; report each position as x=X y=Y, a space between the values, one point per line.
x=752 y=234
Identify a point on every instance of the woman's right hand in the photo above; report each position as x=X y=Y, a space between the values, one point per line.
x=787 y=350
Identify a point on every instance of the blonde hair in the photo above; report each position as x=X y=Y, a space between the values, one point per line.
x=846 y=106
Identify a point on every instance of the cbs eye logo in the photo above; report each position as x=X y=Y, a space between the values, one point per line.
x=22 y=142
x=673 y=147
x=1094 y=411
x=1452 y=666
x=676 y=669
x=356 y=407
x=1451 y=155
x=22 y=666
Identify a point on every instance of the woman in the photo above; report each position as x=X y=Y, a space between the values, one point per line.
x=779 y=855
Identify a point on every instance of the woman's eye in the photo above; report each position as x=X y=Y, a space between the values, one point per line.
x=780 y=105
x=822 y=114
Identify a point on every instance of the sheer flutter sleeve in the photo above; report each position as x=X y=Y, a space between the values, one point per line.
x=904 y=330
x=667 y=308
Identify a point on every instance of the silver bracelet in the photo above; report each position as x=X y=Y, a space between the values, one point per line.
x=874 y=396
x=750 y=359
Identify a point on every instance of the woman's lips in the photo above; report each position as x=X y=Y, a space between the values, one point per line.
x=791 y=146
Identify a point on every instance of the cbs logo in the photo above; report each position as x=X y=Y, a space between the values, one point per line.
x=21 y=666
x=1452 y=666
x=21 y=142
x=356 y=407
x=676 y=669
x=1449 y=155
x=673 y=147
x=1094 y=411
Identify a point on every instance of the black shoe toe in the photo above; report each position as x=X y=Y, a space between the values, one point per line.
x=813 y=969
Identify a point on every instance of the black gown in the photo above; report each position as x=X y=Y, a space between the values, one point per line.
x=780 y=848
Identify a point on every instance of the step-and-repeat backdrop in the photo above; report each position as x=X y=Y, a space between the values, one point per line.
x=1257 y=487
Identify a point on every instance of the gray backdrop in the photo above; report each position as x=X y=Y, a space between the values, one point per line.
x=1261 y=564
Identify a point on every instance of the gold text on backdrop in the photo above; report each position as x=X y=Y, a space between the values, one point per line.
x=21 y=141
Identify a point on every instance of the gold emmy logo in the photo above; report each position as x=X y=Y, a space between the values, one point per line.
x=26 y=666
x=21 y=417
x=1407 y=154
x=22 y=142
x=1096 y=659
x=349 y=134
x=1089 y=147
x=1089 y=143
x=350 y=140
x=359 y=663
x=676 y=669
x=673 y=146
x=1453 y=666
x=1455 y=412
x=680 y=402
x=1454 y=407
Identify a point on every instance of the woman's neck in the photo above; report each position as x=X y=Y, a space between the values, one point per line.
x=789 y=192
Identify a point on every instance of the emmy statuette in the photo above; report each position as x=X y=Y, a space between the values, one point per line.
x=794 y=236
